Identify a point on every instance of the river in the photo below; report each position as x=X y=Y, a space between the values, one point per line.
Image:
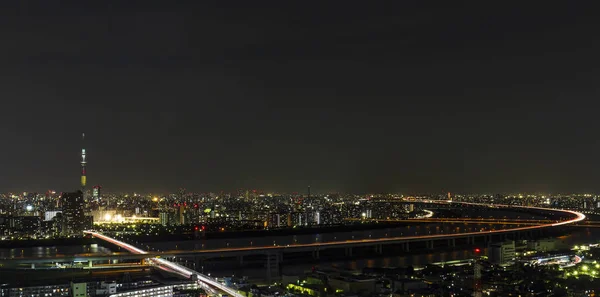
x=578 y=237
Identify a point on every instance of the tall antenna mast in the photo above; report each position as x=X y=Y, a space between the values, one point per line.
x=83 y=163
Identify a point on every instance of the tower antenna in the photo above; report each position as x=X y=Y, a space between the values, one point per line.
x=83 y=164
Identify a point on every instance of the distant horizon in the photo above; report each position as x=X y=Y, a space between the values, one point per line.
x=145 y=194
x=406 y=97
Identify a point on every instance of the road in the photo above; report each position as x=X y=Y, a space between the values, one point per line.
x=577 y=217
x=136 y=253
x=203 y=280
x=457 y=221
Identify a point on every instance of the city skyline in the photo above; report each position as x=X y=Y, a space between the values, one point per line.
x=407 y=98
x=299 y=149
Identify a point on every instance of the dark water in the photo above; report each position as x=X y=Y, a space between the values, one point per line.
x=52 y=251
x=425 y=229
x=578 y=237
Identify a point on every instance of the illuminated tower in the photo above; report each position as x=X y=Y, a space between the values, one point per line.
x=83 y=163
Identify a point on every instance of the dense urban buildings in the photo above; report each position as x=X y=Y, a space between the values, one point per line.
x=35 y=214
x=299 y=149
x=191 y=221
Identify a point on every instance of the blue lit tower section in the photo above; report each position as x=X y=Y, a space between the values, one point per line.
x=83 y=163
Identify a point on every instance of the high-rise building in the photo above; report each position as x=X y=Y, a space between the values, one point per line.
x=169 y=218
x=72 y=209
x=79 y=290
x=58 y=225
x=502 y=252
x=181 y=215
x=96 y=192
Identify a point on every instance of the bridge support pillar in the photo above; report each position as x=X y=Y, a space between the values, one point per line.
x=429 y=244
x=32 y=265
x=90 y=264
x=379 y=249
x=268 y=268
x=241 y=260
x=451 y=242
x=471 y=240
x=199 y=264
x=315 y=254
x=406 y=247
x=272 y=264
x=348 y=251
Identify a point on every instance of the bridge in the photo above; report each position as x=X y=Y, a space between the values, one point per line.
x=165 y=265
x=477 y=221
x=455 y=221
x=274 y=253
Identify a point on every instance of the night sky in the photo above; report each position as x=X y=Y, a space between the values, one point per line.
x=415 y=97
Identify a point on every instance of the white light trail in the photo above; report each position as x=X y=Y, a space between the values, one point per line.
x=204 y=280
x=168 y=265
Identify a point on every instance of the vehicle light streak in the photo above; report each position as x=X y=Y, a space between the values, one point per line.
x=169 y=266
x=205 y=280
x=578 y=217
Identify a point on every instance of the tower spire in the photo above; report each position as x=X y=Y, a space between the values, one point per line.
x=83 y=164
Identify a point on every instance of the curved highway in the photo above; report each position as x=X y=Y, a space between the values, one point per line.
x=205 y=280
x=577 y=217
x=170 y=266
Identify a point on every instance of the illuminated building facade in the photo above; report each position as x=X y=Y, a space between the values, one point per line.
x=37 y=291
x=502 y=252
x=96 y=192
x=158 y=291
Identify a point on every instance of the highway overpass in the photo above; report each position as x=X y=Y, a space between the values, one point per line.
x=275 y=253
x=170 y=267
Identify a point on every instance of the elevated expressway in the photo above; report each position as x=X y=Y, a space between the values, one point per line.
x=168 y=266
x=274 y=253
x=477 y=221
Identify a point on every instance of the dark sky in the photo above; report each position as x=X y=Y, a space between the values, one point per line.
x=403 y=96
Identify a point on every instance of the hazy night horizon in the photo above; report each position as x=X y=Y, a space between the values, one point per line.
x=299 y=149
x=344 y=97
